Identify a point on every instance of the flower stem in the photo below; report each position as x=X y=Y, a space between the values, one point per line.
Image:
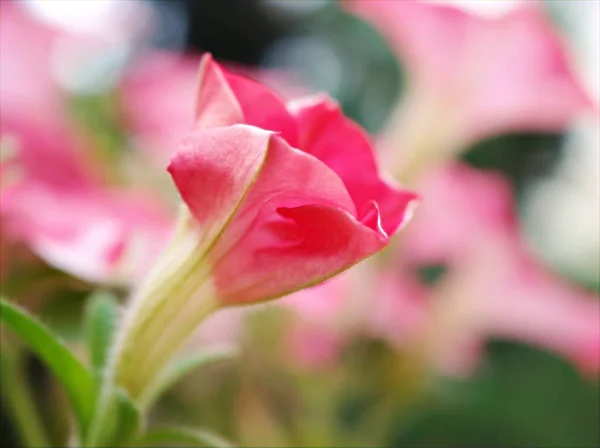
x=18 y=398
x=163 y=312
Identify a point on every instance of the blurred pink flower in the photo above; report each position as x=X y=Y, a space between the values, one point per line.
x=223 y=329
x=494 y=287
x=58 y=201
x=324 y=303
x=323 y=318
x=462 y=207
x=471 y=76
x=75 y=221
x=359 y=302
x=398 y=309
x=313 y=347
x=27 y=86
x=275 y=218
x=156 y=98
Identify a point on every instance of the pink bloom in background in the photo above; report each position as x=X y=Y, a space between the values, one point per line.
x=27 y=87
x=521 y=300
x=312 y=347
x=157 y=101
x=472 y=77
x=157 y=98
x=273 y=217
x=360 y=302
x=223 y=329
x=494 y=287
x=463 y=207
x=398 y=309
x=322 y=320
x=57 y=201
x=73 y=220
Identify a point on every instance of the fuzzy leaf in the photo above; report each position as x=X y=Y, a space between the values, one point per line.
x=100 y=322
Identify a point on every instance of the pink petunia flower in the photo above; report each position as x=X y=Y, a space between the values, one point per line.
x=278 y=197
x=156 y=98
x=285 y=217
x=58 y=201
x=494 y=286
x=472 y=77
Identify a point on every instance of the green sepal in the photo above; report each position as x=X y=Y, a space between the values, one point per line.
x=101 y=315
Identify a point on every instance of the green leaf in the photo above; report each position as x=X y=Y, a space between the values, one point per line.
x=117 y=419
x=179 y=435
x=18 y=396
x=100 y=323
x=75 y=378
x=129 y=418
x=121 y=423
x=182 y=366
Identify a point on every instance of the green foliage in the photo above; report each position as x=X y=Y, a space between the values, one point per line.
x=431 y=274
x=97 y=114
x=521 y=398
x=369 y=79
x=62 y=313
x=121 y=423
x=520 y=157
x=74 y=377
x=178 y=436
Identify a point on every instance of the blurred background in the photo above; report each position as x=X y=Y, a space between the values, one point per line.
x=111 y=61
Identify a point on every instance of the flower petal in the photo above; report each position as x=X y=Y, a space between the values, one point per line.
x=94 y=234
x=528 y=303
x=542 y=93
x=155 y=99
x=216 y=102
x=263 y=108
x=460 y=206
x=296 y=228
x=283 y=219
x=295 y=248
x=214 y=168
x=339 y=143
